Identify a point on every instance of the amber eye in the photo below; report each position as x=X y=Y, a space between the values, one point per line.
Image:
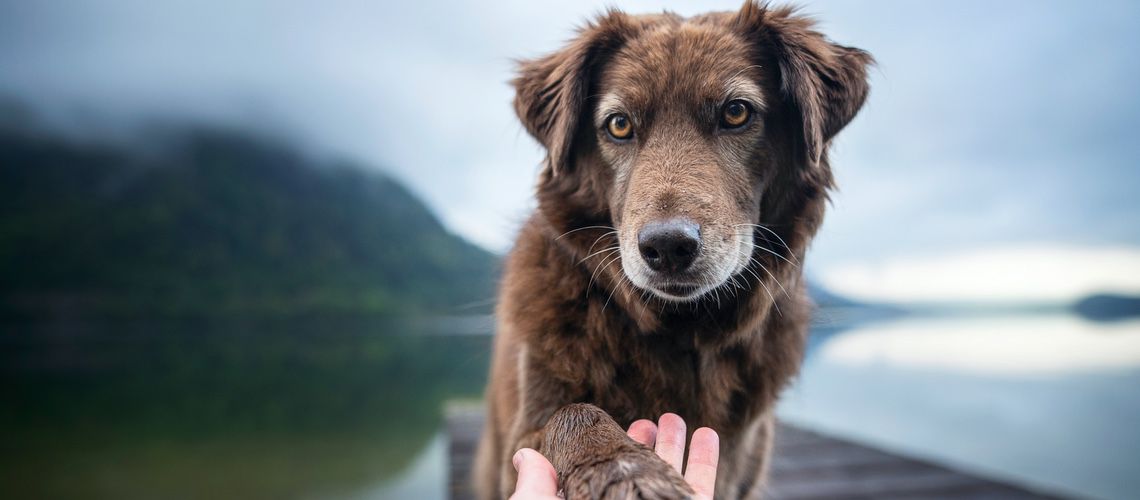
x=619 y=127
x=735 y=114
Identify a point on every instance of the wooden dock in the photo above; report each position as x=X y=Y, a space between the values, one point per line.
x=806 y=465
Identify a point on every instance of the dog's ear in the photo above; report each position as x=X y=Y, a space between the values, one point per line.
x=551 y=92
x=825 y=83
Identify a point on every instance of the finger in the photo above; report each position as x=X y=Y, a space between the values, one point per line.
x=671 y=440
x=644 y=432
x=704 y=452
x=536 y=475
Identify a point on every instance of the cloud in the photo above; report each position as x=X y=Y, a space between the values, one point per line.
x=1011 y=275
x=1020 y=346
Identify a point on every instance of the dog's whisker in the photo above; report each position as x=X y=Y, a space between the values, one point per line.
x=734 y=290
x=747 y=284
x=594 y=276
x=781 y=257
x=748 y=268
x=777 y=254
x=607 y=249
x=765 y=286
x=752 y=227
x=601 y=267
x=589 y=285
x=773 y=233
x=773 y=297
x=606 y=254
x=769 y=240
x=616 y=287
x=583 y=229
x=774 y=278
x=599 y=238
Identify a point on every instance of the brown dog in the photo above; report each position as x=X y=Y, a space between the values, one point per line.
x=687 y=171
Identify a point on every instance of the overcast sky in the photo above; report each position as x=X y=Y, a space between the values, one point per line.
x=989 y=123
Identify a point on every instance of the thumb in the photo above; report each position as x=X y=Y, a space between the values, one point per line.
x=536 y=475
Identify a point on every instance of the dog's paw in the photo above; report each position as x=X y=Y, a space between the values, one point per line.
x=595 y=459
x=625 y=478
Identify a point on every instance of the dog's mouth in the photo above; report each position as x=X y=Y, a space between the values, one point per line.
x=680 y=291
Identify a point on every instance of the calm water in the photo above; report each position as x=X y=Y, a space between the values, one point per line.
x=352 y=409
x=273 y=409
x=1045 y=400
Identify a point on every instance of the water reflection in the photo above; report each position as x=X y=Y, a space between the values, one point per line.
x=1041 y=345
x=1048 y=400
x=260 y=409
x=424 y=479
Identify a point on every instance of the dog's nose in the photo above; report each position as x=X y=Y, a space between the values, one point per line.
x=669 y=245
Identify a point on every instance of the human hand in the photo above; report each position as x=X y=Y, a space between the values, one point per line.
x=537 y=479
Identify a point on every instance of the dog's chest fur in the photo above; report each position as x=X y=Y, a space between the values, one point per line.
x=666 y=372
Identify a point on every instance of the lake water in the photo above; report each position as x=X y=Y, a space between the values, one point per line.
x=1049 y=400
x=351 y=409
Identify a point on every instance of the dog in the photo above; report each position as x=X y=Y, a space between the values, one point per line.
x=686 y=172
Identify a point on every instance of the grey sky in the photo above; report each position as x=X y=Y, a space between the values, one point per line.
x=989 y=122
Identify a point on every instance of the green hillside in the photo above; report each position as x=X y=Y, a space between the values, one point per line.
x=211 y=222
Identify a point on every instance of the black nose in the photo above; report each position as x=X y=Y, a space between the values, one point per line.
x=669 y=245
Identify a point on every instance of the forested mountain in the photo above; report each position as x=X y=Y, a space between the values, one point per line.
x=210 y=221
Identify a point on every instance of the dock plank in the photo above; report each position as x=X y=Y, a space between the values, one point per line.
x=806 y=465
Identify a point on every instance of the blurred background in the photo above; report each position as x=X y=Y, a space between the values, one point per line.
x=249 y=249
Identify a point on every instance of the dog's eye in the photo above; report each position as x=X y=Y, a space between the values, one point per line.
x=619 y=127
x=735 y=114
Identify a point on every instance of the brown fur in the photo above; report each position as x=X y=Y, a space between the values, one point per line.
x=573 y=325
x=594 y=458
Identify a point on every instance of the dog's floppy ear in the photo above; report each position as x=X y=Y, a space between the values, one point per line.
x=551 y=92
x=826 y=83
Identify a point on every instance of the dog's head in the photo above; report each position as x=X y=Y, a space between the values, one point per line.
x=697 y=142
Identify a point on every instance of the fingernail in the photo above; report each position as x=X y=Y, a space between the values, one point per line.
x=517 y=459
